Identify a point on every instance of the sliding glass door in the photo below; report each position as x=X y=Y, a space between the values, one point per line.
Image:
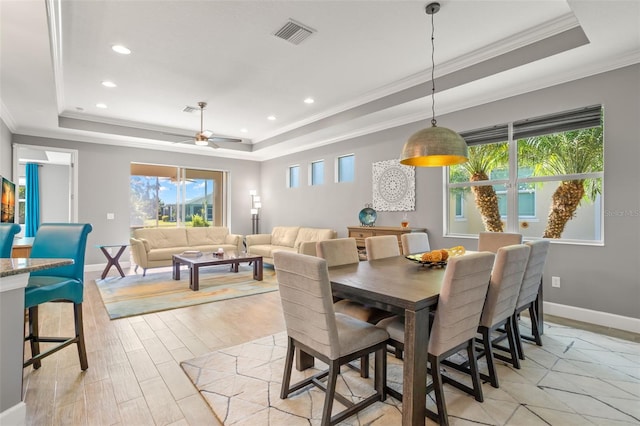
x=170 y=196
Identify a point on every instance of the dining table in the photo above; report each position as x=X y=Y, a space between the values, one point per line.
x=406 y=288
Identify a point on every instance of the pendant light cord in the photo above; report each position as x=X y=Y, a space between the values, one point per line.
x=433 y=66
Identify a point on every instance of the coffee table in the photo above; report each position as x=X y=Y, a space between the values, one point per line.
x=213 y=259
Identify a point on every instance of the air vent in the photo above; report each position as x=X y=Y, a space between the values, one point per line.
x=190 y=109
x=294 y=32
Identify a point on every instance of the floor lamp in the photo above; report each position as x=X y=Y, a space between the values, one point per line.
x=256 y=205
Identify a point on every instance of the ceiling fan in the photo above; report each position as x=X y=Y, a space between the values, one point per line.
x=206 y=137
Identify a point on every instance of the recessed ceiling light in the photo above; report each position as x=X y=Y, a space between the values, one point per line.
x=101 y=105
x=243 y=130
x=271 y=117
x=309 y=101
x=107 y=83
x=118 y=48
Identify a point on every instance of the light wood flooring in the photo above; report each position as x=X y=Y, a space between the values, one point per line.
x=134 y=376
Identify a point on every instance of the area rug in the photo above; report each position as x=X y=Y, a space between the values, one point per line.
x=135 y=294
x=577 y=377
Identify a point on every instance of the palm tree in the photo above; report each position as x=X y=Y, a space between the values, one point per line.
x=482 y=160
x=573 y=152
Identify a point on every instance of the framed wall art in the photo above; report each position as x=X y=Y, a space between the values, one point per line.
x=394 y=186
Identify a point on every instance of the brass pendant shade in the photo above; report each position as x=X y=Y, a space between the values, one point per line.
x=433 y=147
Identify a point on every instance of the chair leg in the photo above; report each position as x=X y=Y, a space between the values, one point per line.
x=475 y=374
x=534 y=325
x=443 y=418
x=34 y=335
x=516 y=332
x=380 y=373
x=488 y=351
x=82 y=349
x=515 y=360
x=364 y=367
x=288 y=365
x=334 y=369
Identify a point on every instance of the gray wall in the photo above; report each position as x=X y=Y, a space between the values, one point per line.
x=103 y=186
x=602 y=278
x=6 y=159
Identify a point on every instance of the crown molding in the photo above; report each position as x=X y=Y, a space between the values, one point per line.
x=7 y=117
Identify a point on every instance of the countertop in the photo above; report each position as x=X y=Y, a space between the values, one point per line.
x=17 y=266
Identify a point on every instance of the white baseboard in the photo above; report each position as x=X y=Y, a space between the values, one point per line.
x=16 y=415
x=604 y=319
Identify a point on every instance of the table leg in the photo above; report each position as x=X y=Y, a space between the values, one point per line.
x=176 y=269
x=194 y=278
x=303 y=360
x=112 y=261
x=257 y=270
x=414 y=375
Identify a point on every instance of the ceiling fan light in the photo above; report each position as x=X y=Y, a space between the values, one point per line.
x=434 y=147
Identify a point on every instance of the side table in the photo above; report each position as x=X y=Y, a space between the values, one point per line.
x=112 y=260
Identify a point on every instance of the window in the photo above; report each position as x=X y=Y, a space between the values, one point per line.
x=346 y=168
x=293 y=177
x=542 y=177
x=22 y=199
x=169 y=196
x=317 y=172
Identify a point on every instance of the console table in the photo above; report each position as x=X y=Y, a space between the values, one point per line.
x=362 y=232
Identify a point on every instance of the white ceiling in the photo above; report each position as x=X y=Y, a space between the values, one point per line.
x=367 y=65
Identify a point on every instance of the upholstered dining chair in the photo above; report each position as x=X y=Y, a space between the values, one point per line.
x=381 y=246
x=415 y=242
x=454 y=326
x=506 y=280
x=315 y=328
x=528 y=295
x=344 y=251
x=61 y=284
x=7 y=233
x=492 y=241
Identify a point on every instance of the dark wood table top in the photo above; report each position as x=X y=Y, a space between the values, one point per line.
x=394 y=282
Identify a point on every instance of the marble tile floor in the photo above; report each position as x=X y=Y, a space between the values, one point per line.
x=578 y=377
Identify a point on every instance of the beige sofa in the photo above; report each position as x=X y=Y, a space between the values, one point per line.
x=153 y=247
x=290 y=238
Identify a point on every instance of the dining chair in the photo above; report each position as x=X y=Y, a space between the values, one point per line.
x=62 y=284
x=381 y=246
x=454 y=327
x=415 y=242
x=344 y=251
x=315 y=328
x=506 y=280
x=529 y=291
x=492 y=241
x=7 y=233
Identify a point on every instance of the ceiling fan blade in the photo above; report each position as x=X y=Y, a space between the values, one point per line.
x=221 y=139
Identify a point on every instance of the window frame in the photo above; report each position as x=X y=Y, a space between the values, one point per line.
x=579 y=119
x=312 y=176
x=338 y=169
x=289 y=179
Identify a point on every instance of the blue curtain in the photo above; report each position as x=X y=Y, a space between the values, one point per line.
x=32 y=213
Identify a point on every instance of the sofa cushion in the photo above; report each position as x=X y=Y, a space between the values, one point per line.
x=163 y=237
x=267 y=250
x=206 y=236
x=312 y=234
x=166 y=253
x=284 y=235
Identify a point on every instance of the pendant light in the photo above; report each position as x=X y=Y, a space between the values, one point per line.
x=434 y=146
